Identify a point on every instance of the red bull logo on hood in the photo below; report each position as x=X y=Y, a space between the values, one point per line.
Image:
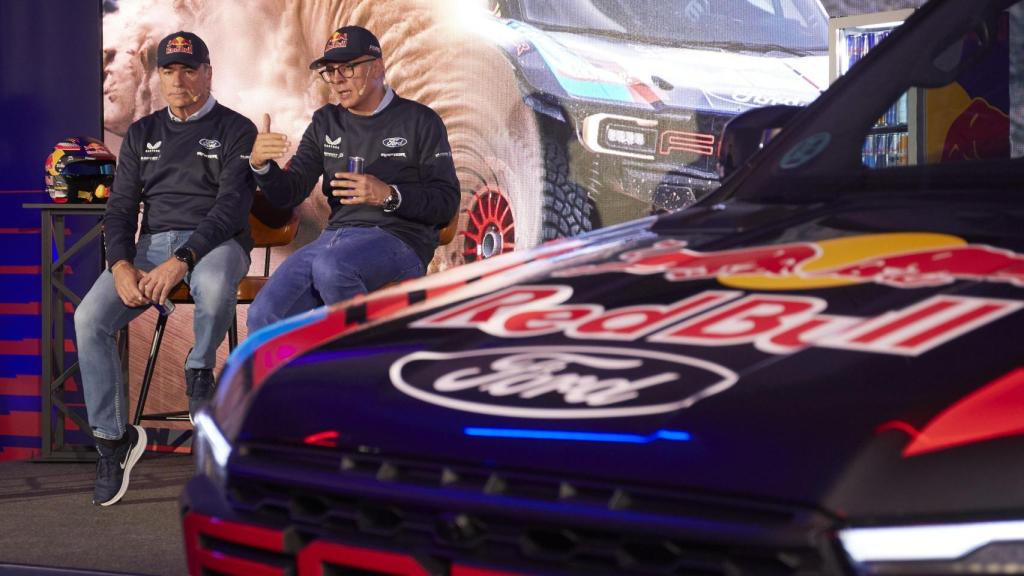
x=337 y=40
x=899 y=260
x=177 y=45
x=772 y=323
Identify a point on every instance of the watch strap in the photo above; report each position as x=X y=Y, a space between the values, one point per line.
x=186 y=255
x=393 y=201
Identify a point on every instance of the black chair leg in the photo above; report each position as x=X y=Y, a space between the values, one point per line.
x=233 y=334
x=147 y=377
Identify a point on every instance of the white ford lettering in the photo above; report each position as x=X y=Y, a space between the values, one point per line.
x=559 y=381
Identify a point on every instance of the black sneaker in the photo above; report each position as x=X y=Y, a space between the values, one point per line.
x=114 y=467
x=200 y=386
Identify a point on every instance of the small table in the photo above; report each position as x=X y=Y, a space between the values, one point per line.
x=55 y=293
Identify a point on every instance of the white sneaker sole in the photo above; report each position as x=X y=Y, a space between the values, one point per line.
x=133 y=457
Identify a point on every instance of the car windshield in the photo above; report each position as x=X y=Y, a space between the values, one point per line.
x=943 y=97
x=753 y=24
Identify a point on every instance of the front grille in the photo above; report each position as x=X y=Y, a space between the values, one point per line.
x=520 y=522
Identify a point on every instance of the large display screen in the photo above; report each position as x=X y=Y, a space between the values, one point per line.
x=563 y=116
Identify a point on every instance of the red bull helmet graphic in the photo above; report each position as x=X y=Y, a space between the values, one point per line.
x=80 y=169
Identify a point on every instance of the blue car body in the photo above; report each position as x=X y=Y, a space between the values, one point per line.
x=816 y=369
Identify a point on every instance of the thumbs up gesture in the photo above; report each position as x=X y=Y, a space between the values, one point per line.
x=268 y=146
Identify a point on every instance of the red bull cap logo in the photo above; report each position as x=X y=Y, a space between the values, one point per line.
x=899 y=260
x=178 y=45
x=337 y=40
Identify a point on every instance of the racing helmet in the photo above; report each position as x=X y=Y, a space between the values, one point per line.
x=80 y=169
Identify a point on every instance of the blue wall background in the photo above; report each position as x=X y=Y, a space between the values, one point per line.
x=50 y=88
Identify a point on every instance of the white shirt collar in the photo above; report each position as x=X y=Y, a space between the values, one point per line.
x=210 y=102
x=389 y=95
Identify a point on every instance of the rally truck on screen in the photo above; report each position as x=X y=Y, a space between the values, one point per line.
x=814 y=370
x=630 y=99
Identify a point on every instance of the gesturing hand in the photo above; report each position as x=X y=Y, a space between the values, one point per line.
x=268 y=145
x=355 y=188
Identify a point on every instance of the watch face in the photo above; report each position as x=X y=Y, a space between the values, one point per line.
x=185 y=255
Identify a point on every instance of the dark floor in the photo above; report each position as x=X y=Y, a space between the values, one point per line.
x=47 y=518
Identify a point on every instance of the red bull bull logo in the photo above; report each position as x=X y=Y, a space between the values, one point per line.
x=178 y=45
x=980 y=131
x=337 y=40
x=677 y=263
x=938 y=267
x=901 y=260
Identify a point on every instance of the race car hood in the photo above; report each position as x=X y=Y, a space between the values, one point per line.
x=819 y=360
x=591 y=67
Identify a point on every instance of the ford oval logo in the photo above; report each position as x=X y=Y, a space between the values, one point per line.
x=395 y=142
x=209 y=144
x=560 y=381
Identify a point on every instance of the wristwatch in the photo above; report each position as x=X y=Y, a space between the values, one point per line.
x=393 y=201
x=187 y=256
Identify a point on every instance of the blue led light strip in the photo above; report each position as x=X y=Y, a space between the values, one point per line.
x=673 y=435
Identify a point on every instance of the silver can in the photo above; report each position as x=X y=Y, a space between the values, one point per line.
x=355 y=164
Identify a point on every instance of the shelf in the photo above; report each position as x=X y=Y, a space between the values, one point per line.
x=891 y=129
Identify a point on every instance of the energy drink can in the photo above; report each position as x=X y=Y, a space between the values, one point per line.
x=355 y=164
x=164 y=309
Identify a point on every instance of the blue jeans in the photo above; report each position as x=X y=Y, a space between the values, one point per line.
x=213 y=284
x=336 y=266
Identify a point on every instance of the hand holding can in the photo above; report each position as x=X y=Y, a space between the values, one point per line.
x=356 y=164
x=343 y=187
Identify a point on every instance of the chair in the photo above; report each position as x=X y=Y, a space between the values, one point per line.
x=449 y=231
x=444 y=237
x=270 y=227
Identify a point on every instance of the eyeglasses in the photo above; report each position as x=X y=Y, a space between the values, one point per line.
x=346 y=70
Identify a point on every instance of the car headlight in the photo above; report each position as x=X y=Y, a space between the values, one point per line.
x=620 y=135
x=210 y=448
x=938 y=549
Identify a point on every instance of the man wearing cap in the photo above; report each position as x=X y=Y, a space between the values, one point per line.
x=384 y=221
x=187 y=164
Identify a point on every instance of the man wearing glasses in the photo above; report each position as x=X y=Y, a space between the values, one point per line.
x=385 y=218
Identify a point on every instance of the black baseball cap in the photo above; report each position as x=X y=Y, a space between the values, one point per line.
x=348 y=43
x=182 y=48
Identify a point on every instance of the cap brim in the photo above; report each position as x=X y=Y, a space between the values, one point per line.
x=190 y=62
x=340 y=58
